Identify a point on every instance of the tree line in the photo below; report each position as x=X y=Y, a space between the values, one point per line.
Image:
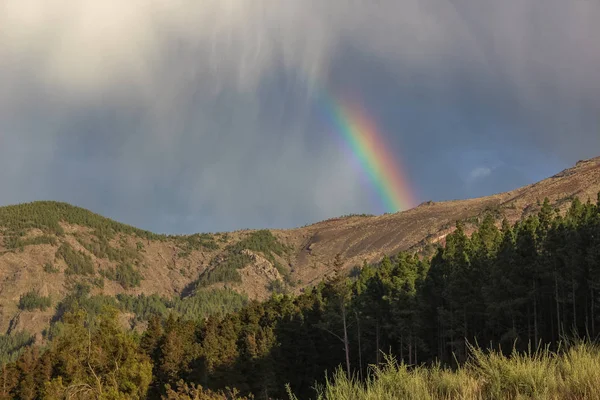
x=505 y=287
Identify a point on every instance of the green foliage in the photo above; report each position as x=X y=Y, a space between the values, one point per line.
x=262 y=241
x=14 y=241
x=101 y=248
x=33 y=301
x=212 y=302
x=185 y=391
x=285 y=273
x=197 y=241
x=224 y=238
x=495 y=211
x=80 y=299
x=276 y=286
x=93 y=361
x=78 y=263
x=202 y=304
x=98 y=282
x=535 y=282
x=47 y=215
x=144 y=307
x=355 y=271
x=226 y=269
x=49 y=268
x=125 y=274
x=11 y=346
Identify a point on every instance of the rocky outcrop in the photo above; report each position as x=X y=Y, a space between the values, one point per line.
x=258 y=275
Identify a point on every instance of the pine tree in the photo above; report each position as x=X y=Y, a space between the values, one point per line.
x=337 y=292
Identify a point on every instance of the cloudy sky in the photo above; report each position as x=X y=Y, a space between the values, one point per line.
x=200 y=115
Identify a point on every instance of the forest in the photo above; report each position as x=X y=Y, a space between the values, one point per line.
x=505 y=312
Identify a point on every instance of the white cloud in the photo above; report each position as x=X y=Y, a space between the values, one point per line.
x=478 y=174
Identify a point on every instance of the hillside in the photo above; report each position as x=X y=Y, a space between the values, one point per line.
x=48 y=248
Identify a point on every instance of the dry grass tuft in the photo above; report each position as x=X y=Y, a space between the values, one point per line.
x=542 y=374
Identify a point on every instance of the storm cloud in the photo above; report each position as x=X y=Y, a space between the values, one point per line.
x=182 y=116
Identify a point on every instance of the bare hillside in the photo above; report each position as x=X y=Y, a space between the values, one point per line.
x=368 y=238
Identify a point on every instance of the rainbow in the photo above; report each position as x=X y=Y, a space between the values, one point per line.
x=367 y=145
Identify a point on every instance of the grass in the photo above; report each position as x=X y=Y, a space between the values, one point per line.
x=572 y=373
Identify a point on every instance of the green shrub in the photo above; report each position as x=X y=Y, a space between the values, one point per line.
x=49 y=268
x=79 y=298
x=11 y=346
x=276 y=286
x=47 y=215
x=98 y=282
x=78 y=263
x=197 y=241
x=262 y=241
x=202 y=304
x=33 y=301
x=285 y=273
x=144 y=306
x=124 y=274
x=205 y=303
x=15 y=241
x=128 y=276
x=226 y=269
x=101 y=248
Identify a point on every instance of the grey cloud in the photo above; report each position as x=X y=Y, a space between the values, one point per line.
x=198 y=115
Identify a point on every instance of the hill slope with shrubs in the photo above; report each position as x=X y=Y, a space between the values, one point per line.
x=49 y=249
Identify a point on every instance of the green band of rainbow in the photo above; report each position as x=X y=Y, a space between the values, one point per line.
x=367 y=144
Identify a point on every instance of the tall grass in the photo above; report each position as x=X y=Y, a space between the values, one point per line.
x=571 y=373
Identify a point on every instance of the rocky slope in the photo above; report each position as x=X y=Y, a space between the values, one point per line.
x=47 y=248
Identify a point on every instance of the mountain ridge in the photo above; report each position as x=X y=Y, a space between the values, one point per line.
x=48 y=248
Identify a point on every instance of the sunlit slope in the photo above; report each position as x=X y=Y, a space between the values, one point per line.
x=47 y=248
